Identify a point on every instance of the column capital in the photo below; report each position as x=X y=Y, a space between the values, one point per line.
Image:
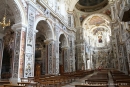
x=19 y=26
x=65 y=47
x=48 y=40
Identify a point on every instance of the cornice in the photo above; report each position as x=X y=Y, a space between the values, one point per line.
x=43 y=4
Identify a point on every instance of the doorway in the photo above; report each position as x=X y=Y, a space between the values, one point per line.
x=8 y=48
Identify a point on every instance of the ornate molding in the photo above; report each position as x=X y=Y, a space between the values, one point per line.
x=54 y=14
x=65 y=47
x=48 y=40
x=19 y=26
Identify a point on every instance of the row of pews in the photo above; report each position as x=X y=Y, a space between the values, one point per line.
x=99 y=79
x=120 y=79
x=51 y=80
x=107 y=78
x=63 y=79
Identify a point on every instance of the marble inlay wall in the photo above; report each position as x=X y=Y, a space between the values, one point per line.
x=30 y=39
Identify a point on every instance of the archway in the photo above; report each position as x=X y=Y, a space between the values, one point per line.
x=62 y=53
x=41 y=47
x=97 y=36
x=7 y=37
x=8 y=48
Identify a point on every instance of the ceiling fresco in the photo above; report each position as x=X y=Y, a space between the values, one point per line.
x=96 y=20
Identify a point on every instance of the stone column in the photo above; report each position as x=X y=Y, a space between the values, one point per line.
x=50 y=46
x=1 y=52
x=30 y=42
x=18 y=59
x=57 y=49
x=73 y=50
x=71 y=55
x=66 y=60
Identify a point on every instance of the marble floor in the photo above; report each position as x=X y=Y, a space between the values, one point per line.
x=82 y=80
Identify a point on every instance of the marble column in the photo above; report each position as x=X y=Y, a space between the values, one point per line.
x=66 y=59
x=1 y=52
x=50 y=46
x=30 y=42
x=18 y=59
x=57 y=30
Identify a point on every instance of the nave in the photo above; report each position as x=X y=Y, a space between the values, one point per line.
x=89 y=78
x=55 y=43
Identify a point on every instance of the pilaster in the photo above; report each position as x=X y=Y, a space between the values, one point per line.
x=50 y=46
x=66 y=59
x=18 y=59
x=30 y=40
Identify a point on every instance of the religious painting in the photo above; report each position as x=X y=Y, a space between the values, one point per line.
x=96 y=20
x=100 y=39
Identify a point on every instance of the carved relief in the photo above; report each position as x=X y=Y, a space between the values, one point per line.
x=50 y=60
x=28 y=67
x=16 y=54
x=29 y=61
x=57 y=49
x=65 y=61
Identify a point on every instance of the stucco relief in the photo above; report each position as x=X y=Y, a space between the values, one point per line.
x=16 y=55
x=29 y=61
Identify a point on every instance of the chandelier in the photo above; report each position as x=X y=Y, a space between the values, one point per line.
x=3 y=22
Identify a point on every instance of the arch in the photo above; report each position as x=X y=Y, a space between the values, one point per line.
x=107 y=18
x=65 y=38
x=18 y=11
x=97 y=21
x=44 y=19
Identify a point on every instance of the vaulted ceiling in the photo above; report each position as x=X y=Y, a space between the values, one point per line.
x=91 y=5
x=72 y=3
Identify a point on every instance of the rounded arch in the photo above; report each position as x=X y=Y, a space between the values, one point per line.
x=18 y=10
x=61 y=33
x=103 y=16
x=44 y=19
x=95 y=21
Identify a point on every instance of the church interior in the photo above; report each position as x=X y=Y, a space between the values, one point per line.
x=64 y=43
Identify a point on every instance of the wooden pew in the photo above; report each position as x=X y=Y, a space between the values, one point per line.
x=99 y=78
x=11 y=85
x=51 y=80
x=4 y=82
x=123 y=86
x=90 y=86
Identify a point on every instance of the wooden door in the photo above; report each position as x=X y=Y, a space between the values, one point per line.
x=38 y=70
x=61 y=69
